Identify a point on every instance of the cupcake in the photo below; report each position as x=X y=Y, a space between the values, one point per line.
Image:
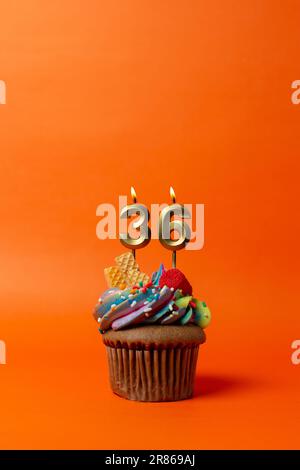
x=152 y=330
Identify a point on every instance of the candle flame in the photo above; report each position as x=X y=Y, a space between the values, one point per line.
x=133 y=194
x=172 y=194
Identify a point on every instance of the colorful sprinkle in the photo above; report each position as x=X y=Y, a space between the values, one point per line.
x=142 y=298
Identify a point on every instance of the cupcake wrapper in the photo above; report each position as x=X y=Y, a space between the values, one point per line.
x=153 y=375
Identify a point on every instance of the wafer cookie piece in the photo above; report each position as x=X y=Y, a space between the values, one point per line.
x=115 y=277
x=127 y=262
x=134 y=277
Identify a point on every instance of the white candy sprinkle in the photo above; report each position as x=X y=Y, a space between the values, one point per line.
x=171 y=307
x=113 y=306
x=99 y=320
x=172 y=289
x=163 y=290
x=133 y=303
x=130 y=296
x=146 y=302
x=100 y=299
x=153 y=291
x=110 y=291
x=148 y=309
x=123 y=297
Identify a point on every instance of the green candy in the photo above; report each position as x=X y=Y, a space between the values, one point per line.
x=202 y=314
x=178 y=294
x=183 y=302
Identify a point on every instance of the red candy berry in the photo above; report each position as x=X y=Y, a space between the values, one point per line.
x=175 y=278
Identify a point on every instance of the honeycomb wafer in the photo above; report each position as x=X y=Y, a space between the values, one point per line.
x=127 y=262
x=134 y=277
x=115 y=277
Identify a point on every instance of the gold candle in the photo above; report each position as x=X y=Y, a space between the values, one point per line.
x=166 y=227
x=140 y=224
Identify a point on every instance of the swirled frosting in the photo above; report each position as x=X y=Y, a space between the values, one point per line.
x=151 y=303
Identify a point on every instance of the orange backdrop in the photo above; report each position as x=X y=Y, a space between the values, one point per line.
x=105 y=95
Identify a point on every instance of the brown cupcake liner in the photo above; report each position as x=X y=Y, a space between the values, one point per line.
x=153 y=375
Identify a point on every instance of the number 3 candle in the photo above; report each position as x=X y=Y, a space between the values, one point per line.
x=166 y=227
x=141 y=224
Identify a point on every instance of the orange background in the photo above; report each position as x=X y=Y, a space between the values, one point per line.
x=105 y=95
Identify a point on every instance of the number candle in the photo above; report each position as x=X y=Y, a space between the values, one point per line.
x=166 y=227
x=140 y=224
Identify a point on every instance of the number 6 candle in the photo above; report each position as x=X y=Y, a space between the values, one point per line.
x=166 y=227
x=140 y=224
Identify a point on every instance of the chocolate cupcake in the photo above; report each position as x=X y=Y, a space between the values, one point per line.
x=152 y=330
